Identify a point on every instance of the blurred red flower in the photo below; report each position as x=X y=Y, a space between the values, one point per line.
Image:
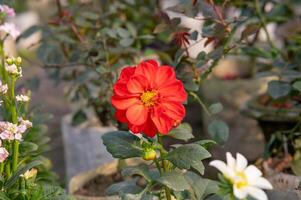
x=149 y=98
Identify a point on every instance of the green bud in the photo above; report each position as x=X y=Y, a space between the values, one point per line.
x=149 y=154
x=18 y=60
x=10 y=60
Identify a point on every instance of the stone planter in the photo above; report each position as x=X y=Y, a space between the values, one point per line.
x=271 y=119
x=285 y=186
x=83 y=147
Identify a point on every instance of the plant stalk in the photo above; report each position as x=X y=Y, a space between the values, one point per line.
x=165 y=168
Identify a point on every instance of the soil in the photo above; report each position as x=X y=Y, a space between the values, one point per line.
x=98 y=185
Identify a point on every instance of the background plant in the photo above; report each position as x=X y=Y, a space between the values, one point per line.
x=25 y=173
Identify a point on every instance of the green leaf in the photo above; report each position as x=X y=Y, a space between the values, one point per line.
x=126 y=42
x=122 y=144
x=216 y=54
x=218 y=131
x=194 y=35
x=189 y=156
x=296 y=167
x=174 y=180
x=277 y=89
x=79 y=117
x=125 y=187
x=297 y=86
x=182 y=132
x=123 y=33
x=28 y=147
x=215 y=108
x=12 y=180
x=3 y=196
x=201 y=187
x=207 y=144
x=143 y=171
x=28 y=32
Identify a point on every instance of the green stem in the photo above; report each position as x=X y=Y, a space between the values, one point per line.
x=165 y=168
x=7 y=169
x=196 y=97
x=15 y=155
x=1 y=168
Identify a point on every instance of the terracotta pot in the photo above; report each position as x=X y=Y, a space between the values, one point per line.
x=83 y=147
x=271 y=119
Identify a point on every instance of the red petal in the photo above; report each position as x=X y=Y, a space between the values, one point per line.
x=173 y=110
x=126 y=73
x=150 y=129
x=174 y=91
x=137 y=84
x=137 y=114
x=147 y=69
x=162 y=122
x=164 y=75
x=123 y=103
x=120 y=116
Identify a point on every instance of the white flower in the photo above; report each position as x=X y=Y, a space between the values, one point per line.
x=13 y=69
x=26 y=123
x=10 y=29
x=246 y=180
x=3 y=88
x=3 y=154
x=22 y=98
x=30 y=173
x=10 y=12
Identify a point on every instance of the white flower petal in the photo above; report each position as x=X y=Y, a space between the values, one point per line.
x=256 y=193
x=252 y=172
x=262 y=183
x=230 y=160
x=240 y=193
x=241 y=162
x=221 y=166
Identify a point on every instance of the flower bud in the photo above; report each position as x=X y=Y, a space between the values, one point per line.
x=149 y=154
x=30 y=173
x=10 y=60
x=18 y=60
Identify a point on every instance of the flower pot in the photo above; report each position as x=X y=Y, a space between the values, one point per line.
x=271 y=119
x=83 y=147
x=80 y=180
x=285 y=186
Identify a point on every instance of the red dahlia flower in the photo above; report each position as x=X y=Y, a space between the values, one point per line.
x=149 y=98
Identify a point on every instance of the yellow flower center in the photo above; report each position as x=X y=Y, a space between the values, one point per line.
x=241 y=180
x=148 y=98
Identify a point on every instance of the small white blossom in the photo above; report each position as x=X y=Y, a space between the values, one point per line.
x=26 y=123
x=10 y=29
x=13 y=69
x=22 y=98
x=246 y=180
x=3 y=154
x=30 y=173
x=10 y=131
x=3 y=88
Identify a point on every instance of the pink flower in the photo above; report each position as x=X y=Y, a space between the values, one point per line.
x=10 y=12
x=3 y=154
x=10 y=29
